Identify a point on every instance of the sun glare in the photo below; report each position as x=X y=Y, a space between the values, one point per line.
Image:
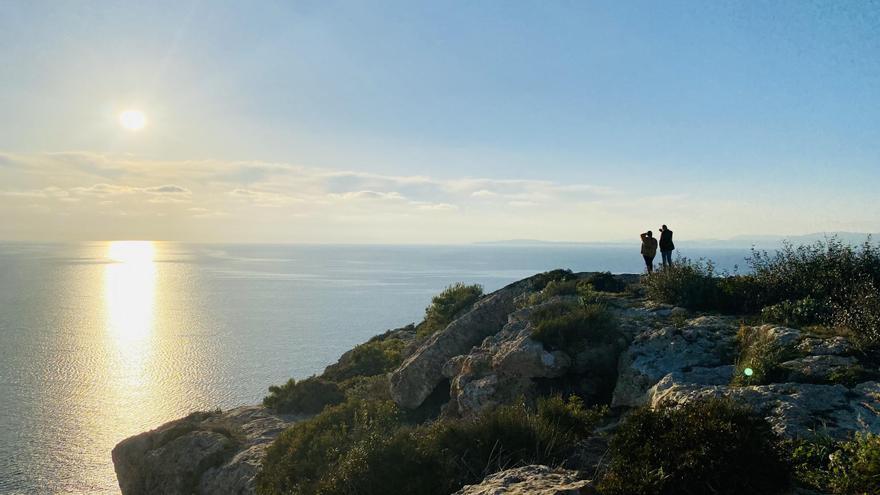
x=131 y=251
x=133 y=120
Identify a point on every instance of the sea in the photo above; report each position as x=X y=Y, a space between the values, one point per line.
x=102 y=340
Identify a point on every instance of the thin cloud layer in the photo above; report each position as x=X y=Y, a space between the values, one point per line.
x=70 y=196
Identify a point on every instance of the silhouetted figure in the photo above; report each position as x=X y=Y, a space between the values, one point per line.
x=649 y=249
x=666 y=246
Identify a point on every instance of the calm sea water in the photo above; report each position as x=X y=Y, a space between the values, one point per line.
x=99 y=341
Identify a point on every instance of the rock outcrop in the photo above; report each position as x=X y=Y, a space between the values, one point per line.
x=417 y=377
x=203 y=453
x=794 y=410
x=501 y=368
x=531 y=480
x=701 y=350
x=658 y=356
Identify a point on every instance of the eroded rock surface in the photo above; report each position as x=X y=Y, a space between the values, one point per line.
x=694 y=349
x=531 y=480
x=203 y=453
x=793 y=409
x=417 y=377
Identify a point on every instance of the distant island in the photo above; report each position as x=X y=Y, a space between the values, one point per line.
x=683 y=381
x=739 y=241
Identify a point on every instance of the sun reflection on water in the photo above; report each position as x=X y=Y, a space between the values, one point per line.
x=130 y=299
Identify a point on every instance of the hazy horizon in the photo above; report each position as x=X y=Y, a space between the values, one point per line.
x=401 y=122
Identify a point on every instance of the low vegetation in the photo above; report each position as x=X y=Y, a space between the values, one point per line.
x=375 y=357
x=367 y=447
x=711 y=446
x=447 y=306
x=848 y=467
x=827 y=282
x=307 y=396
x=759 y=353
x=571 y=327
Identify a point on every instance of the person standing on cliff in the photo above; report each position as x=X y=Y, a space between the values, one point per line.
x=649 y=249
x=666 y=246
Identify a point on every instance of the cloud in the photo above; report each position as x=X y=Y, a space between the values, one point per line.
x=167 y=189
x=484 y=193
x=392 y=196
x=103 y=189
x=263 y=198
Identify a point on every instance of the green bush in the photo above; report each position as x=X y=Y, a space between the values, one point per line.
x=848 y=467
x=712 y=446
x=794 y=313
x=302 y=458
x=541 y=280
x=687 y=283
x=570 y=327
x=307 y=396
x=824 y=270
x=375 y=357
x=448 y=305
x=859 y=315
x=364 y=448
x=605 y=282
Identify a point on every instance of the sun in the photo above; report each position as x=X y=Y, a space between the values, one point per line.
x=133 y=120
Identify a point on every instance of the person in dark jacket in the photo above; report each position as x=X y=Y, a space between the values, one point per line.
x=649 y=249
x=666 y=246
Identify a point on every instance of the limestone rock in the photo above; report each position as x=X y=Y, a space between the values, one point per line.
x=500 y=369
x=704 y=342
x=794 y=410
x=814 y=369
x=834 y=346
x=781 y=337
x=205 y=452
x=417 y=377
x=531 y=480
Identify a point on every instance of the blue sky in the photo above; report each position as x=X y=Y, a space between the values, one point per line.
x=440 y=121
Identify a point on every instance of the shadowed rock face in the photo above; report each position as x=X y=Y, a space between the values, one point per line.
x=417 y=377
x=531 y=480
x=205 y=452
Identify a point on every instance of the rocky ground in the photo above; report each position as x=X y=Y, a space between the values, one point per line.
x=487 y=356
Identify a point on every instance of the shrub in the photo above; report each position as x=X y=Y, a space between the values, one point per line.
x=605 y=282
x=375 y=357
x=304 y=455
x=541 y=280
x=359 y=447
x=760 y=353
x=824 y=270
x=307 y=396
x=497 y=439
x=794 y=313
x=848 y=467
x=448 y=305
x=569 y=327
x=687 y=283
x=859 y=315
x=711 y=446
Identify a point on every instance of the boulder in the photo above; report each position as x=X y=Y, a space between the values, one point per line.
x=834 y=346
x=205 y=452
x=706 y=342
x=531 y=480
x=501 y=369
x=420 y=373
x=817 y=369
x=794 y=410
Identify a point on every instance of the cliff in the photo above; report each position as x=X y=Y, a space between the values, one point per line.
x=500 y=350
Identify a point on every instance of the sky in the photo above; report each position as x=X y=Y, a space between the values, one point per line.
x=437 y=122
